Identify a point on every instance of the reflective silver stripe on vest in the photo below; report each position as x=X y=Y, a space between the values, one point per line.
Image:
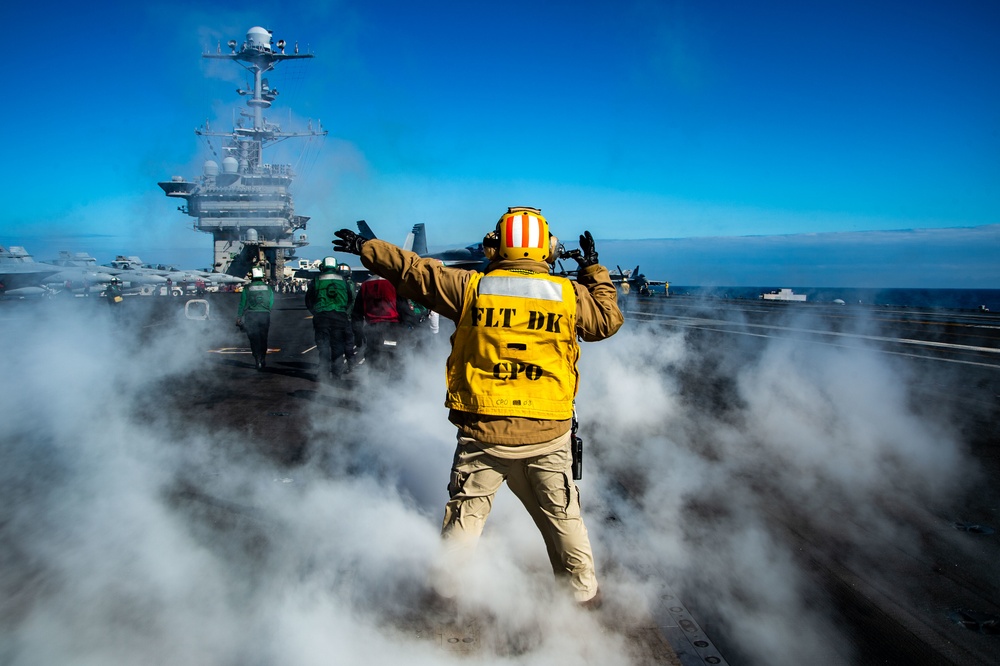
x=520 y=287
x=331 y=276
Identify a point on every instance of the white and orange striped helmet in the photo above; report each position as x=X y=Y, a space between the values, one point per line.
x=522 y=233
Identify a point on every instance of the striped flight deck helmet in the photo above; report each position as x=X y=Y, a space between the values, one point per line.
x=522 y=233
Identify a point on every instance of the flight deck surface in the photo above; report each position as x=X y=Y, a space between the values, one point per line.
x=891 y=569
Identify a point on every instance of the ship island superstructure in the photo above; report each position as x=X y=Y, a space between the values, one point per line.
x=245 y=203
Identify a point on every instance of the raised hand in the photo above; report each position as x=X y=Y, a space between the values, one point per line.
x=348 y=241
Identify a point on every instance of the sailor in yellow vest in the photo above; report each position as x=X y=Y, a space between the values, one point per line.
x=512 y=376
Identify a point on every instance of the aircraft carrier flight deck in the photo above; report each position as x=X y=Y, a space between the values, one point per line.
x=764 y=483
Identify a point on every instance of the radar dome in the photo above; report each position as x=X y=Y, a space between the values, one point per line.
x=251 y=236
x=230 y=165
x=259 y=38
x=211 y=168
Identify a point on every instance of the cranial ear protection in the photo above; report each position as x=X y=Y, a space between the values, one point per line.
x=491 y=243
x=521 y=233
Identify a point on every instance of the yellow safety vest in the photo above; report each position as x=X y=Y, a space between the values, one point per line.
x=514 y=351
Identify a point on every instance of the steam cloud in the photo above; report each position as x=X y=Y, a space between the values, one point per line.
x=107 y=559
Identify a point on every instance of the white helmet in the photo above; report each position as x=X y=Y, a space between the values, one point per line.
x=256 y=273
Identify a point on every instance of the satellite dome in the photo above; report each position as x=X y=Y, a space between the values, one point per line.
x=230 y=165
x=211 y=168
x=251 y=236
x=259 y=38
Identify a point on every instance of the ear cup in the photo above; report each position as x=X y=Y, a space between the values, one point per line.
x=553 y=249
x=491 y=243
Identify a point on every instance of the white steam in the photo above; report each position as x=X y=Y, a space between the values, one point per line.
x=130 y=536
x=727 y=448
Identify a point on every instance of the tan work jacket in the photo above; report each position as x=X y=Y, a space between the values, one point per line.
x=443 y=290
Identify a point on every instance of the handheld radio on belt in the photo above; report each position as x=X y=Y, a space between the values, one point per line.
x=576 y=446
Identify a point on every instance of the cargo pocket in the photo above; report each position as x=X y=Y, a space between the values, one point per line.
x=572 y=497
x=555 y=494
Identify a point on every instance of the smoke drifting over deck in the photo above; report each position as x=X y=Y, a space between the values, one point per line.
x=132 y=535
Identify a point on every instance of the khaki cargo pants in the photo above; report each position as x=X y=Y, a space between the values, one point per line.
x=544 y=484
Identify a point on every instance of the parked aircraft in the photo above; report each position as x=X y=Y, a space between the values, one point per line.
x=20 y=278
x=131 y=280
x=74 y=279
x=133 y=265
x=471 y=256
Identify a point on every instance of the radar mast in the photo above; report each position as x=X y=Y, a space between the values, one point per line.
x=245 y=203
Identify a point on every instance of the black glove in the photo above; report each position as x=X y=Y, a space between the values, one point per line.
x=348 y=241
x=587 y=255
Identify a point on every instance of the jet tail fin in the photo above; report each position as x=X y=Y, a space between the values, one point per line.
x=416 y=240
x=366 y=231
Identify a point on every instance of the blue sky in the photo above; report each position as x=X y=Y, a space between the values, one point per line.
x=636 y=120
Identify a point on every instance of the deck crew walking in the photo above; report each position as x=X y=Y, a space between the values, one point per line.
x=254 y=315
x=330 y=299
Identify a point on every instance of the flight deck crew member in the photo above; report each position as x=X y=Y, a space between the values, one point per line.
x=383 y=310
x=113 y=294
x=512 y=377
x=254 y=315
x=351 y=344
x=330 y=299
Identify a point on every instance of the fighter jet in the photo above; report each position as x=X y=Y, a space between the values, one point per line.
x=131 y=271
x=131 y=281
x=179 y=279
x=634 y=281
x=191 y=276
x=60 y=279
x=20 y=278
x=472 y=257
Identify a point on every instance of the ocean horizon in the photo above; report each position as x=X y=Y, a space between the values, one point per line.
x=947 y=299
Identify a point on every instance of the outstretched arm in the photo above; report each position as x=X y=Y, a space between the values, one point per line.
x=425 y=281
x=598 y=316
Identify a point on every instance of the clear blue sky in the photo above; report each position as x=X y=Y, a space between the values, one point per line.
x=649 y=119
